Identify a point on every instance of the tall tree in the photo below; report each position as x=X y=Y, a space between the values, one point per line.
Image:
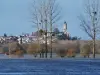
x=54 y=16
x=35 y=20
x=90 y=21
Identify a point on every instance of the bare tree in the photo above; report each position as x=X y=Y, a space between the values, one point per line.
x=54 y=16
x=90 y=21
x=35 y=20
x=45 y=14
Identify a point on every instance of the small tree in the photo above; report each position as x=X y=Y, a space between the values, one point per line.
x=41 y=31
x=12 y=47
x=33 y=49
x=24 y=47
x=42 y=50
x=85 y=51
x=71 y=52
x=15 y=49
x=5 y=35
x=5 y=50
x=19 y=53
x=61 y=52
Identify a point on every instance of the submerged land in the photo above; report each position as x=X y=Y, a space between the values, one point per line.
x=50 y=67
x=60 y=49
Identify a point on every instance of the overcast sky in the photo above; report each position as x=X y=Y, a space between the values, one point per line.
x=15 y=17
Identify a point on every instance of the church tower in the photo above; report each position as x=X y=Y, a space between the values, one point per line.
x=65 y=28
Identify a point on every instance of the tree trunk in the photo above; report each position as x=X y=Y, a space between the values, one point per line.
x=38 y=37
x=51 y=43
x=46 y=49
x=40 y=54
x=94 y=37
x=94 y=48
x=51 y=47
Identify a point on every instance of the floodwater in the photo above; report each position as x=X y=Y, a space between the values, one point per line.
x=49 y=67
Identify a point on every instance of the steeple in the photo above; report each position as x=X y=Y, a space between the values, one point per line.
x=65 y=27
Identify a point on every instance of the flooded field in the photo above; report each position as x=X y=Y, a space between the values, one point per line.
x=49 y=67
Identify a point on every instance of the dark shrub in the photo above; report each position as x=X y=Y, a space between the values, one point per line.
x=62 y=53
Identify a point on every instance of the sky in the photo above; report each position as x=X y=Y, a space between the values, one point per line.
x=15 y=17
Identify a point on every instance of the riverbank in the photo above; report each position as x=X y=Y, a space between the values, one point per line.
x=78 y=56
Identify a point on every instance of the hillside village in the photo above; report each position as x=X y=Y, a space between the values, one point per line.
x=60 y=41
x=33 y=38
x=29 y=38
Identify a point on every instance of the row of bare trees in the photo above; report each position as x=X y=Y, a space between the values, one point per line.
x=45 y=13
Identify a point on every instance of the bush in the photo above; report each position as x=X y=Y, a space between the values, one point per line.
x=13 y=46
x=85 y=51
x=71 y=52
x=19 y=53
x=24 y=47
x=19 y=50
x=33 y=49
x=62 y=53
x=16 y=49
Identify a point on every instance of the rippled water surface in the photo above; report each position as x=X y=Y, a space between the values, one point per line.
x=49 y=67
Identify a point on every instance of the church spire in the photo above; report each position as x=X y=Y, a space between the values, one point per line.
x=65 y=27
